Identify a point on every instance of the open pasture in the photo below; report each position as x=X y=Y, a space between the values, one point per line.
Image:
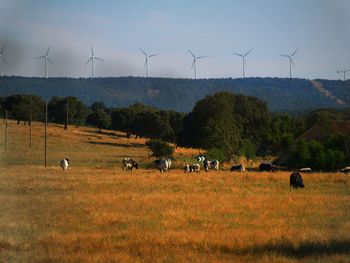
x=95 y=212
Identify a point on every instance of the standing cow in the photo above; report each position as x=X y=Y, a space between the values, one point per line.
x=189 y=168
x=128 y=164
x=211 y=165
x=295 y=180
x=163 y=164
x=239 y=168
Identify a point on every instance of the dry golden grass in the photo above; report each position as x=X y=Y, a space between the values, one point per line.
x=95 y=212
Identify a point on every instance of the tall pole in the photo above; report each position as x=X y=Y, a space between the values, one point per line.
x=290 y=67
x=92 y=68
x=147 y=67
x=195 y=68
x=243 y=67
x=46 y=67
x=66 y=124
x=6 y=134
x=45 y=133
x=30 y=127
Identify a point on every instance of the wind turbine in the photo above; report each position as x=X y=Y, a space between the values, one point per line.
x=194 y=63
x=343 y=71
x=92 y=59
x=244 y=63
x=147 y=61
x=290 y=61
x=46 y=58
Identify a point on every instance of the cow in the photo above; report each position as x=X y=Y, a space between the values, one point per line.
x=305 y=170
x=163 y=164
x=211 y=165
x=296 y=180
x=345 y=170
x=189 y=168
x=64 y=163
x=267 y=167
x=129 y=164
x=239 y=168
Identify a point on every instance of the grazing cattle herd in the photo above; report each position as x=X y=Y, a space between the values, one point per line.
x=295 y=180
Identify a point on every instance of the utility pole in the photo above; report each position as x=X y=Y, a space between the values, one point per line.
x=30 y=127
x=45 y=133
x=66 y=124
x=6 y=133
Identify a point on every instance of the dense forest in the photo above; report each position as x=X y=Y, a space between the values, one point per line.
x=227 y=125
x=181 y=95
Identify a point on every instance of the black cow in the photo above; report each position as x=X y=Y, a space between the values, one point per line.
x=267 y=167
x=239 y=168
x=296 y=180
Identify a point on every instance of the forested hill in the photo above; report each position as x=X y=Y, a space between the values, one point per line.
x=181 y=94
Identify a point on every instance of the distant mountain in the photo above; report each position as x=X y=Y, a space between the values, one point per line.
x=280 y=94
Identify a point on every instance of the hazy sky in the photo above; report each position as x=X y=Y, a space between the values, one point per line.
x=117 y=29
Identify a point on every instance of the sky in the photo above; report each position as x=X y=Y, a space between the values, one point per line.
x=117 y=29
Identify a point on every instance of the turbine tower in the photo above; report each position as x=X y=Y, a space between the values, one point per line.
x=2 y=59
x=343 y=71
x=194 y=63
x=244 y=63
x=92 y=59
x=147 y=61
x=46 y=58
x=290 y=61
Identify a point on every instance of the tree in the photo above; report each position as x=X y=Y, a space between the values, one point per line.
x=100 y=119
x=19 y=107
x=160 y=149
x=223 y=120
x=57 y=111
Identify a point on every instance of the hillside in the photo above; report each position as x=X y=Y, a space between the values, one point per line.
x=95 y=212
x=280 y=94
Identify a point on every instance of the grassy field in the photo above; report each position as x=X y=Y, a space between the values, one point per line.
x=95 y=212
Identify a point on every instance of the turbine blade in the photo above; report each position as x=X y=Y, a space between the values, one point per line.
x=201 y=57
x=237 y=54
x=143 y=52
x=50 y=61
x=194 y=61
x=153 y=55
x=99 y=58
x=88 y=60
x=40 y=57
x=92 y=51
x=283 y=55
x=246 y=54
x=191 y=53
x=4 y=60
x=294 y=52
x=48 y=50
x=292 y=62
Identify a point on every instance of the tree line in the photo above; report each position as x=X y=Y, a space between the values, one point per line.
x=224 y=124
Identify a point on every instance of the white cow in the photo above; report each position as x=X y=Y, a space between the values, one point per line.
x=189 y=168
x=163 y=164
x=211 y=165
x=64 y=163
